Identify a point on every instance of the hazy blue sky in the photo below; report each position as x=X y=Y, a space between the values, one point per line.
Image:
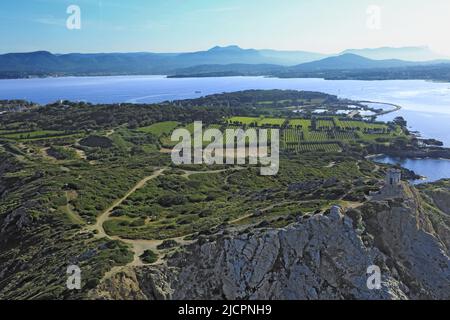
x=188 y=25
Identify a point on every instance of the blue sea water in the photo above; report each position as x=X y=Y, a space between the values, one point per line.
x=431 y=169
x=425 y=105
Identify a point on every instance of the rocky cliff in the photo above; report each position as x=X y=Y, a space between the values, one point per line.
x=322 y=257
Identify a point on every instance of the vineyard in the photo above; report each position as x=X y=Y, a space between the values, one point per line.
x=319 y=134
x=258 y=122
x=293 y=136
x=325 y=124
x=314 y=147
x=358 y=125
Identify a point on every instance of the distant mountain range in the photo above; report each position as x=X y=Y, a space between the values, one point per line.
x=219 y=61
x=145 y=63
x=403 y=53
x=351 y=61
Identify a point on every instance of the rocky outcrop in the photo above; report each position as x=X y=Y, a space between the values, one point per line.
x=19 y=218
x=134 y=284
x=410 y=151
x=438 y=195
x=322 y=257
x=441 y=198
x=414 y=250
x=124 y=285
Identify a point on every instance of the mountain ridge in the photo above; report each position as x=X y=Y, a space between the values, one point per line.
x=421 y=53
x=351 y=61
x=232 y=60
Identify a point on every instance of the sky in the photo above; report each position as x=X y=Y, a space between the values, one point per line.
x=326 y=26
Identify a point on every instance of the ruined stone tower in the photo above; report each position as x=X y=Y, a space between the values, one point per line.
x=392 y=185
x=393 y=178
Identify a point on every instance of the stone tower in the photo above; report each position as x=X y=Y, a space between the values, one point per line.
x=393 y=177
x=392 y=186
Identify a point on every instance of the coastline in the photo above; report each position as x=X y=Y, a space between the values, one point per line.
x=213 y=75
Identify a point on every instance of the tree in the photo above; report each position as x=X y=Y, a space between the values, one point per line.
x=401 y=122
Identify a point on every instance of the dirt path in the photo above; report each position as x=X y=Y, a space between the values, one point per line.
x=73 y=216
x=188 y=173
x=106 y=214
x=263 y=210
x=139 y=246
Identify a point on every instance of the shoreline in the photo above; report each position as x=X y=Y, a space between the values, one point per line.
x=413 y=175
x=194 y=76
x=384 y=112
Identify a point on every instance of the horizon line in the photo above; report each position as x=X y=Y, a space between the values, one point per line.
x=224 y=46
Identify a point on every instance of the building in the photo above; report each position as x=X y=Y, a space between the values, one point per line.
x=392 y=186
x=393 y=177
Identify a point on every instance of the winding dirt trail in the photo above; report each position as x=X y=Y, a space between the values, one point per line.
x=139 y=246
x=101 y=219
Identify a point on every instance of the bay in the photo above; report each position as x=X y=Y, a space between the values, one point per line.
x=425 y=105
x=431 y=169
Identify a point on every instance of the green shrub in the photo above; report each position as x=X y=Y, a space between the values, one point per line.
x=149 y=256
x=171 y=200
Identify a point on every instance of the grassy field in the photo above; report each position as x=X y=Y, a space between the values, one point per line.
x=161 y=128
x=30 y=135
x=304 y=123
x=271 y=122
x=260 y=122
x=243 y=120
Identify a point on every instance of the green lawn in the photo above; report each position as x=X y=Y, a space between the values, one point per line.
x=304 y=123
x=32 y=134
x=161 y=128
x=244 y=120
x=261 y=121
